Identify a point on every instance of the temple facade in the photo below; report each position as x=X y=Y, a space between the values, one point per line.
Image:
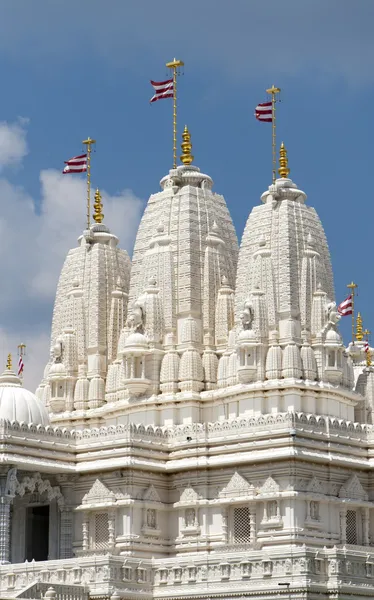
x=200 y=429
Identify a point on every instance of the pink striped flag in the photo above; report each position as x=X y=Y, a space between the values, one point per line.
x=77 y=164
x=345 y=307
x=366 y=346
x=263 y=112
x=163 y=89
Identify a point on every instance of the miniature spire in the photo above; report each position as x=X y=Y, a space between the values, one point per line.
x=359 y=331
x=186 y=157
x=283 y=170
x=9 y=362
x=367 y=333
x=98 y=206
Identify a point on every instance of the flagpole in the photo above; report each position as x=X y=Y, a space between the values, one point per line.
x=174 y=65
x=273 y=91
x=21 y=354
x=367 y=333
x=88 y=142
x=352 y=286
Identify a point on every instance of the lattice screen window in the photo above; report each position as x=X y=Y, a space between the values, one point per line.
x=101 y=530
x=241 y=525
x=351 y=524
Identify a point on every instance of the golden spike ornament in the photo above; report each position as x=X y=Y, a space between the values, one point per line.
x=273 y=91
x=283 y=170
x=359 y=330
x=352 y=286
x=9 y=362
x=175 y=65
x=186 y=157
x=88 y=142
x=98 y=215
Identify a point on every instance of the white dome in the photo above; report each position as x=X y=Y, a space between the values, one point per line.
x=136 y=339
x=18 y=404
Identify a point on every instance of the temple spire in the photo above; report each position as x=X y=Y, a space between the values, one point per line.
x=186 y=156
x=9 y=362
x=283 y=170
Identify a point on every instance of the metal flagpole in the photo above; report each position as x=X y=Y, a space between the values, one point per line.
x=273 y=91
x=175 y=65
x=21 y=354
x=88 y=142
x=367 y=333
x=352 y=286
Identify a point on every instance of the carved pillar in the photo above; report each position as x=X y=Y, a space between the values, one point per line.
x=66 y=533
x=365 y=526
x=4 y=529
x=224 y=513
x=8 y=485
x=343 y=525
x=252 y=520
x=112 y=527
x=85 y=531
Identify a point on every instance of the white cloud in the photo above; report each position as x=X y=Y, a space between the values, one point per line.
x=13 y=145
x=33 y=247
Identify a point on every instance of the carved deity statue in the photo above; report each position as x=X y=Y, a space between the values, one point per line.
x=151 y=518
x=57 y=350
x=332 y=315
x=190 y=517
x=247 y=315
x=135 y=320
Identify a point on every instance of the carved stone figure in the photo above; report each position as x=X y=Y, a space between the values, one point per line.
x=332 y=315
x=135 y=320
x=151 y=518
x=247 y=315
x=190 y=517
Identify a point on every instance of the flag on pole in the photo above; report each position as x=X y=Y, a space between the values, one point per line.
x=263 y=112
x=345 y=308
x=163 y=89
x=20 y=366
x=77 y=164
x=366 y=346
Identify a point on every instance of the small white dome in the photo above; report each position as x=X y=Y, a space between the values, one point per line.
x=246 y=335
x=18 y=404
x=136 y=339
x=333 y=337
x=57 y=369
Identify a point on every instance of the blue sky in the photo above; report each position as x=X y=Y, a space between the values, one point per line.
x=73 y=69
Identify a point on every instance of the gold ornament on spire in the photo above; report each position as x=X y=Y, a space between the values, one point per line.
x=283 y=170
x=98 y=207
x=186 y=157
x=9 y=362
x=367 y=333
x=359 y=330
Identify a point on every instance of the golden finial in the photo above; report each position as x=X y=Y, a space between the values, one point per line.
x=9 y=362
x=186 y=157
x=359 y=330
x=283 y=170
x=366 y=333
x=98 y=206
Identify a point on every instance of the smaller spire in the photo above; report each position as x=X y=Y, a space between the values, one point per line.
x=9 y=362
x=186 y=157
x=283 y=170
x=359 y=331
x=98 y=207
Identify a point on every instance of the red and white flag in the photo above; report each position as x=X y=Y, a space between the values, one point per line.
x=264 y=112
x=366 y=346
x=20 y=366
x=345 y=307
x=77 y=164
x=163 y=89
